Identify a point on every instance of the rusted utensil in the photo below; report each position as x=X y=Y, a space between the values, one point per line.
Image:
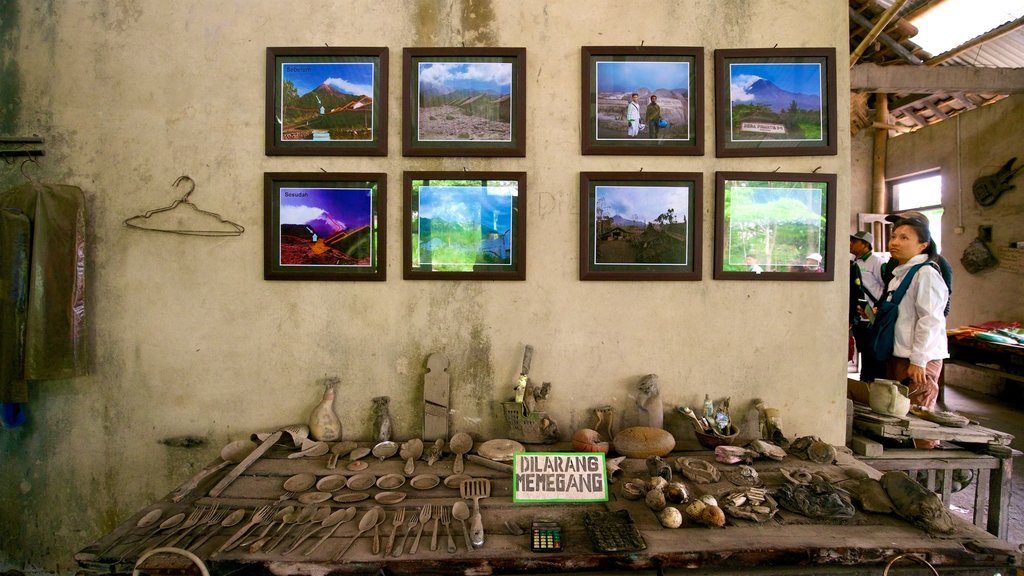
x=369 y=520
x=446 y=521
x=345 y=515
x=231 y=453
x=411 y=450
x=395 y=524
x=258 y=515
x=228 y=521
x=405 y=538
x=295 y=430
x=460 y=510
x=424 y=518
x=338 y=450
x=146 y=521
x=381 y=517
x=330 y=519
x=436 y=513
x=459 y=445
x=476 y=488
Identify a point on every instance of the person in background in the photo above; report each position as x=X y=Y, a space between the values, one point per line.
x=633 y=115
x=752 y=265
x=653 y=117
x=866 y=288
x=813 y=262
x=920 y=335
x=944 y=268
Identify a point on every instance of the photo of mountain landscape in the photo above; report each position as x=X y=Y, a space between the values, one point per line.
x=641 y=225
x=326 y=101
x=326 y=227
x=464 y=101
x=617 y=80
x=776 y=101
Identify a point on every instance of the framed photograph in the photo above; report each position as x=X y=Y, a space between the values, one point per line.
x=775 y=102
x=464 y=102
x=775 y=226
x=324 y=226
x=324 y=101
x=643 y=100
x=464 y=226
x=640 y=225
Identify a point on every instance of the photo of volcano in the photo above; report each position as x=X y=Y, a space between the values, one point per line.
x=464 y=101
x=327 y=227
x=781 y=102
x=327 y=101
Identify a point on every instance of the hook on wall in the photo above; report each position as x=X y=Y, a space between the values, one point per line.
x=777 y=168
x=815 y=171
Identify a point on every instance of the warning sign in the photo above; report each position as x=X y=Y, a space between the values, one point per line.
x=559 y=477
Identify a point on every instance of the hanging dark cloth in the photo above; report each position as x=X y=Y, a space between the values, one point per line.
x=55 y=335
x=15 y=246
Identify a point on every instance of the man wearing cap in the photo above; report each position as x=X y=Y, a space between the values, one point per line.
x=944 y=268
x=866 y=288
x=813 y=262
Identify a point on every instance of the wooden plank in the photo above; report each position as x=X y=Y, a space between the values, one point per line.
x=981 y=496
x=865 y=446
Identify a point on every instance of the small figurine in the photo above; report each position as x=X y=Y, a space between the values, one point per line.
x=381 y=418
x=657 y=467
x=605 y=424
x=650 y=412
x=533 y=395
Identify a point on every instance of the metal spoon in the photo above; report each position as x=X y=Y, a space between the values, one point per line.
x=345 y=515
x=369 y=520
x=166 y=524
x=257 y=544
x=338 y=450
x=459 y=445
x=330 y=520
x=231 y=453
x=460 y=511
x=146 y=521
x=229 y=521
x=411 y=450
x=315 y=521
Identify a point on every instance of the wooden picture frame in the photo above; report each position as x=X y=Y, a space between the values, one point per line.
x=641 y=225
x=326 y=101
x=464 y=102
x=325 y=226
x=464 y=226
x=614 y=123
x=775 y=226
x=775 y=102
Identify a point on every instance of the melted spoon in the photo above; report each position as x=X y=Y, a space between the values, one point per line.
x=411 y=450
x=459 y=445
x=147 y=520
x=460 y=511
x=228 y=521
x=337 y=519
x=369 y=520
x=231 y=453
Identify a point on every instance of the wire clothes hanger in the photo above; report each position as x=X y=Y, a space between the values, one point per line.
x=176 y=226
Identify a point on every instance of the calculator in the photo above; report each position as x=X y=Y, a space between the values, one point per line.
x=545 y=536
x=613 y=532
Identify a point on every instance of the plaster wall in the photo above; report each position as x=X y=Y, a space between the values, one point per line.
x=988 y=137
x=188 y=340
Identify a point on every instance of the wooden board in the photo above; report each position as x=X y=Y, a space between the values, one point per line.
x=789 y=540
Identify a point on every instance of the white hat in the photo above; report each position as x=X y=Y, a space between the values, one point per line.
x=814 y=256
x=865 y=236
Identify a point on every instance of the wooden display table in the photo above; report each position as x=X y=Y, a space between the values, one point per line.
x=787 y=543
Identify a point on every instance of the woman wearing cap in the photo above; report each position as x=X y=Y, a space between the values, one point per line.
x=920 y=335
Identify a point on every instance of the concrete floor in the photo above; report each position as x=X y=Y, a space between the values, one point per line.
x=1005 y=414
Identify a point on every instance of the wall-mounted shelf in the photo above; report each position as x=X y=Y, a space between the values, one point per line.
x=12 y=147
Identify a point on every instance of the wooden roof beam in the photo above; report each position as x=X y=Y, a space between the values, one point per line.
x=883 y=22
x=928 y=79
x=885 y=39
